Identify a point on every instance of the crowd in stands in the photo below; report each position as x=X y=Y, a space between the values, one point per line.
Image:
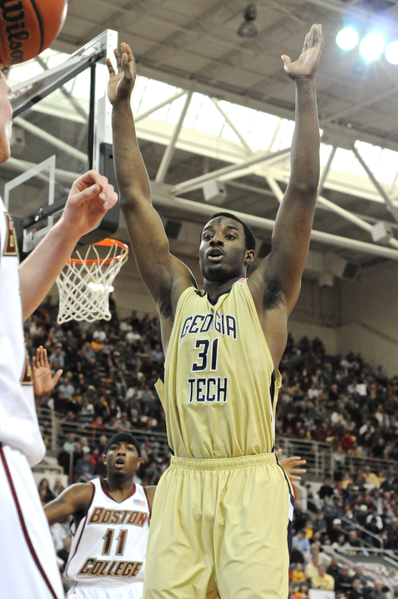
x=350 y=516
x=337 y=399
x=109 y=371
x=107 y=386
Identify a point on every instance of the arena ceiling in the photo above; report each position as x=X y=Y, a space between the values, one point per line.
x=193 y=46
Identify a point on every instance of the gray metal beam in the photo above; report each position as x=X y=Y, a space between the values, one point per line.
x=232 y=125
x=390 y=206
x=143 y=115
x=168 y=155
x=51 y=139
x=198 y=182
x=189 y=209
x=79 y=109
x=326 y=169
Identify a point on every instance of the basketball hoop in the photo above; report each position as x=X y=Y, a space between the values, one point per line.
x=84 y=284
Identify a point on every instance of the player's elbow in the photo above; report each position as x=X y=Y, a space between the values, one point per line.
x=131 y=198
x=306 y=189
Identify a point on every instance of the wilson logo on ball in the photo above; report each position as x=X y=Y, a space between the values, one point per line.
x=12 y=12
x=27 y=27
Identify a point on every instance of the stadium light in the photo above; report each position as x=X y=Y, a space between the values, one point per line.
x=391 y=53
x=347 y=38
x=372 y=46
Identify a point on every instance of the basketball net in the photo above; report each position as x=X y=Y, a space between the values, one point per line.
x=84 y=284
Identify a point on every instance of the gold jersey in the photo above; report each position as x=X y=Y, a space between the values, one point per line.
x=219 y=393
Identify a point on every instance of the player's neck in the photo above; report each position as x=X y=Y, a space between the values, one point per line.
x=216 y=288
x=119 y=488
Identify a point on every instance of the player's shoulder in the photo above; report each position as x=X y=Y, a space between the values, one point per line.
x=83 y=491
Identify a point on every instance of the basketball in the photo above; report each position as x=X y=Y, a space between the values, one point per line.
x=27 y=27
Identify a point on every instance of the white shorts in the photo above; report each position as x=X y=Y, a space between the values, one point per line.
x=28 y=568
x=81 y=591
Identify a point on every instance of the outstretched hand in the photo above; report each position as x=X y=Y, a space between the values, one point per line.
x=308 y=61
x=89 y=199
x=290 y=466
x=43 y=380
x=121 y=84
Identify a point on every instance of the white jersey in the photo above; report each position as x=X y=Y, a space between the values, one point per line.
x=109 y=546
x=19 y=427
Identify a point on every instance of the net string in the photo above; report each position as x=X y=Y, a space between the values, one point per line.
x=84 y=287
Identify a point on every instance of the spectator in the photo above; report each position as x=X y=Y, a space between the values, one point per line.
x=359 y=574
x=87 y=413
x=101 y=445
x=312 y=568
x=84 y=468
x=336 y=532
x=377 y=591
x=57 y=358
x=45 y=492
x=98 y=463
x=320 y=523
x=69 y=445
x=98 y=424
x=377 y=520
x=66 y=387
x=303 y=592
x=157 y=354
x=58 y=487
x=344 y=581
x=64 y=552
x=357 y=592
x=301 y=543
x=323 y=580
x=85 y=446
x=333 y=568
x=349 y=515
x=298 y=575
x=340 y=546
x=59 y=532
x=353 y=541
x=77 y=454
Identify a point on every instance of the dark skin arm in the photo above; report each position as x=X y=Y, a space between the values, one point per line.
x=150 y=493
x=275 y=285
x=291 y=466
x=165 y=276
x=74 y=501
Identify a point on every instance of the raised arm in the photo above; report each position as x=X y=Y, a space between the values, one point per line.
x=164 y=275
x=74 y=501
x=275 y=284
x=90 y=197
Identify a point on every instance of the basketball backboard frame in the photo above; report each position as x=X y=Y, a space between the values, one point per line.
x=26 y=94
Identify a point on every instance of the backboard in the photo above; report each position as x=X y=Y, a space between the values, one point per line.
x=61 y=128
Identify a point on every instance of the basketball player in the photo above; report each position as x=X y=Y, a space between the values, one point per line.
x=111 y=520
x=221 y=514
x=27 y=557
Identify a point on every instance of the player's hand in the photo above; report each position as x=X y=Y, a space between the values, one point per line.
x=290 y=466
x=43 y=380
x=308 y=61
x=121 y=84
x=89 y=199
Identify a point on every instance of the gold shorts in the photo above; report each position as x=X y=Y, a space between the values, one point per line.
x=220 y=528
